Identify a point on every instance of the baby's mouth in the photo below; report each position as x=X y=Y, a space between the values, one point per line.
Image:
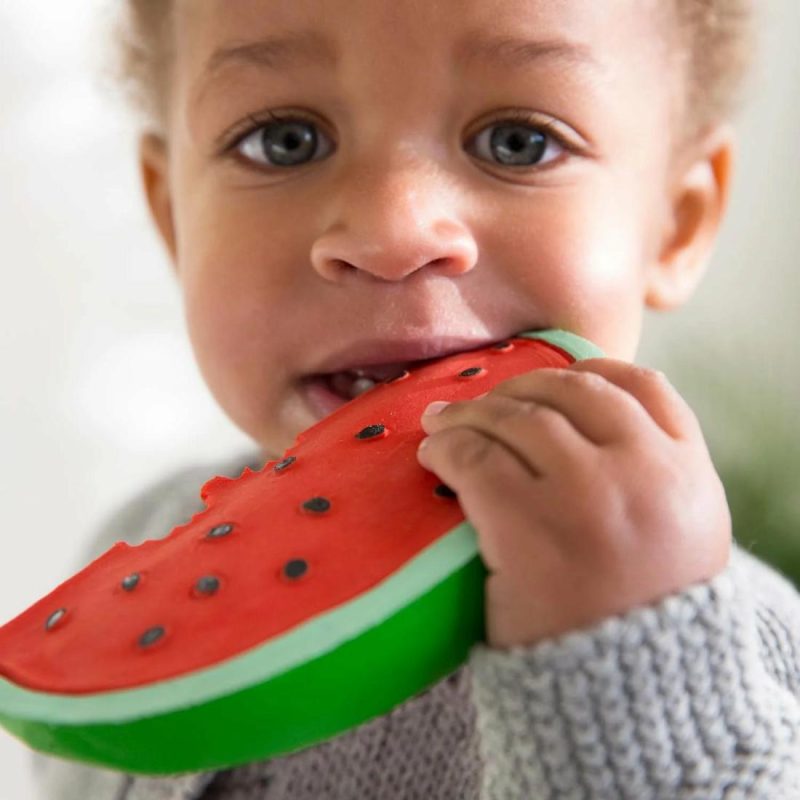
x=330 y=391
x=350 y=383
x=325 y=392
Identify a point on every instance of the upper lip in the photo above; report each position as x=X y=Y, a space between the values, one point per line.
x=379 y=352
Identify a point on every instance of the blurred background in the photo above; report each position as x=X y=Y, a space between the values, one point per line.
x=100 y=395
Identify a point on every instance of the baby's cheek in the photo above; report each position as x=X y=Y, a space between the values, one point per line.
x=607 y=309
x=228 y=347
x=598 y=274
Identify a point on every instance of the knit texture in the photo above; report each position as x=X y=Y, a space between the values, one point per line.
x=435 y=730
x=693 y=698
x=669 y=701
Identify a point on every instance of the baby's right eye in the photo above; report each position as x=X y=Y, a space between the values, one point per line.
x=283 y=142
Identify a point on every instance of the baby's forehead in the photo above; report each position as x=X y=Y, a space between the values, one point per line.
x=410 y=27
x=411 y=60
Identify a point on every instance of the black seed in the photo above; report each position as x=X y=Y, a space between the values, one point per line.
x=130 y=582
x=295 y=568
x=219 y=530
x=370 y=431
x=151 y=636
x=444 y=491
x=287 y=462
x=55 y=618
x=502 y=346
x=317 y=504
x=468 y=373
x=208 y=584
x=402 y=376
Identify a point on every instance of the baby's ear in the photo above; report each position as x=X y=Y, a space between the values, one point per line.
x=698 y=197
x=153 y=165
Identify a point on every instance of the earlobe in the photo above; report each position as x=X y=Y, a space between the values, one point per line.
x=698 y=202
x=153 y=165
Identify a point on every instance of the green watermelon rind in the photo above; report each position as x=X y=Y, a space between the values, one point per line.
x=578 y=347
x=241 y=709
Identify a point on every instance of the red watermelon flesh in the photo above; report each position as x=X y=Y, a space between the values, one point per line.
x=345 y=507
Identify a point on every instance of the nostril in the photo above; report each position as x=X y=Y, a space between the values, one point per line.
x=337 y=267
x=393 y=264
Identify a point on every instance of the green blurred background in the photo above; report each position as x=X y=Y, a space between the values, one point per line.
x=746 y=401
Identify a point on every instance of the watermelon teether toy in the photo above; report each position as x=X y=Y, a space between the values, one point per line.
x=307 y=598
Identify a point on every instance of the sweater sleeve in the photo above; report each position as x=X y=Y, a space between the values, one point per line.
x=695 y=697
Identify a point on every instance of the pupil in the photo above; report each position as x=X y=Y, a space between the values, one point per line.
x=518 y=145
x=517 y=142
x=289 y=144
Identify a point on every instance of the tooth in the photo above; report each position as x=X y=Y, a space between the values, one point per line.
x=359 y=386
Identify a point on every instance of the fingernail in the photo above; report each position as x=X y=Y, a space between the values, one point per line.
x=435 y=408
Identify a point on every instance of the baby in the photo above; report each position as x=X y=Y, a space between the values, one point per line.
x=345 y=187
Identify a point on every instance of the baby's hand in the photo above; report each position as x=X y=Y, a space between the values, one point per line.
x=592 y=492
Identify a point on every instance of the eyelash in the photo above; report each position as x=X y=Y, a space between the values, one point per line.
x=232 y=138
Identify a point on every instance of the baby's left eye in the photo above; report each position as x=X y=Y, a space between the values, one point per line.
x=518 y=144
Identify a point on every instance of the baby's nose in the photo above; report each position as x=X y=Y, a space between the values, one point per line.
x=391 y=224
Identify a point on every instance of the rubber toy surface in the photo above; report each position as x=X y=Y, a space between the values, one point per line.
x=307 y=598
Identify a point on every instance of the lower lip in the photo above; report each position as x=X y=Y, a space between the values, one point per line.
x=320 y=397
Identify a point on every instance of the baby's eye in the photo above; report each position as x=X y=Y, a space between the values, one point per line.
x=517 y=144
x=282 y=143
x=294 y=141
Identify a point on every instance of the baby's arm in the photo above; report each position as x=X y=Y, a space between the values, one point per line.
x=697 y=696
x=631 y=654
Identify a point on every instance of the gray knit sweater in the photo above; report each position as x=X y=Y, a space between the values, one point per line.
x=696 y=697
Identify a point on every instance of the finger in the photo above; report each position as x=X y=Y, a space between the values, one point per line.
x=598 y=409
x=495 y=490
x=652 y=390
x=541 y=438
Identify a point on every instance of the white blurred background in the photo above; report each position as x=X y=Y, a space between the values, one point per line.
x=100 y=395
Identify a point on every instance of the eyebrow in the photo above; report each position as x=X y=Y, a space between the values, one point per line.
x=281 y=52
x=521 y=52
x=277 y=52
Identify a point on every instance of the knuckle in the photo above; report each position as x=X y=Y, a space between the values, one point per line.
x=509 y=415
x=653 y=376
x=609 y=534
x=585 y=379
x=508 y=408
x=544 y=413
x=545 y=417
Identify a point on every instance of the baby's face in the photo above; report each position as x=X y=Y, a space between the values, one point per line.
x=424 y=190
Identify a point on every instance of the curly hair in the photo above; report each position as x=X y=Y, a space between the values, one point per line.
x=712 y=42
